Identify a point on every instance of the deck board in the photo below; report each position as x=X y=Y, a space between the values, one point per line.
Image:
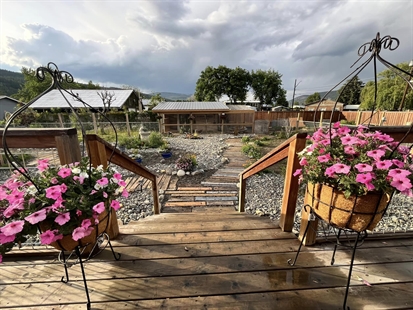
x=219 y=260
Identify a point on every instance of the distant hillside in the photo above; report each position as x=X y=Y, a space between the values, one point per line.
x=174 y=96
x=301 y=99
x=10 y=82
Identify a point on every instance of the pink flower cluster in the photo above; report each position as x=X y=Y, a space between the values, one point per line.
x=68 y=198
x=356 y=161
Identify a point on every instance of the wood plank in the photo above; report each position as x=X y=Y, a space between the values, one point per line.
x=180 y=286
x=221 y=203
x=201 y=188
x=172 y=183
x=185 y=204
x=217 y=198
x=181 y=192
x=181 y=199
x=176 y=194
x=165 y=182
x=386 y=296
x=364 y=269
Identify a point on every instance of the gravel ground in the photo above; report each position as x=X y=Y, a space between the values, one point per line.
x=264 y=191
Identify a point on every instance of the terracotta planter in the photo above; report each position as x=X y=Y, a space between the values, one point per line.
x=356 y=212
x=107 y=223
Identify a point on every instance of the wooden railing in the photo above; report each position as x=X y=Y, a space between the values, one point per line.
x=289 y=149
x=66 y=141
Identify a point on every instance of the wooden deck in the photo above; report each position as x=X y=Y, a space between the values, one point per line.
x=214 y=260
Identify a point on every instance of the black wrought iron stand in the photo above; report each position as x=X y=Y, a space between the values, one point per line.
x=338 y=231
x=101 y=243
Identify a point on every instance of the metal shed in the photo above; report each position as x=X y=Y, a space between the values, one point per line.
x=204 y=117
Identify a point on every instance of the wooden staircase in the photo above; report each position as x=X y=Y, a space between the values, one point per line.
x=216 y=193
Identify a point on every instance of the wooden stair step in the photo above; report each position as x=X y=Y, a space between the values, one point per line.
x=215 y=184
x=223 y=198
x=185 y=204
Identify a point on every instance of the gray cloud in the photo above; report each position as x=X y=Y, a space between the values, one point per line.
x=164 y=45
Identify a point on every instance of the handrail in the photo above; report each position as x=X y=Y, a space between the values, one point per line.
x=288 y=149
x=101 y=152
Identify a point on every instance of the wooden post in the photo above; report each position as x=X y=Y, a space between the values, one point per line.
x=358 y=118
x=222 y=125
x=68 y=149
x=95 y=125
x=242 y=189
x=311 y=236
x=98 y=157
x=321 y=119
x=156 y=209
x=191 y=126
x=291 y=185
x=127 y=123
x=60 y=120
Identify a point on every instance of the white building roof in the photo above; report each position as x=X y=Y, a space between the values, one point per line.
x=191 y=106
x=54 y=99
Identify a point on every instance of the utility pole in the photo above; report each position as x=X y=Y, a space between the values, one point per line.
x=295 y=86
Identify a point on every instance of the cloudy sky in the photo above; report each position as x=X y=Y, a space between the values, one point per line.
x=160 y=45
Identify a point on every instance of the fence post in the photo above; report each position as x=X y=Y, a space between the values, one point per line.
x=95 y=126
x=242 y=189
x=68 y=148
x=321 y=119
x=127 y=124
x=60 y=120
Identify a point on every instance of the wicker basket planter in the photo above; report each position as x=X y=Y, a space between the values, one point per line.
x=358 y=213
x=68 y=244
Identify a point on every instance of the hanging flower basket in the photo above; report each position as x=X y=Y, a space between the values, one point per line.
x=67 y=243
x=358 y=213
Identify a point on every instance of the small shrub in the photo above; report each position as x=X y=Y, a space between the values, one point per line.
x=186 y=162
x=258 y=143
x=130 y=142
x=251 y=151
x=155 y=139
x=245 y=139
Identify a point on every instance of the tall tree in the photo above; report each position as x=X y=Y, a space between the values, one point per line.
x=267 y=88
x=390 y=90
x=213 y=83
x=350 y=92
x=313 y=98
x=32 y=87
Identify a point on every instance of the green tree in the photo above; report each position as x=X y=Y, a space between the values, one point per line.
x=267 y=88
x=390 y=90
x=313 y=98
x=213 y=83
x=350 y=92
x=32 y=87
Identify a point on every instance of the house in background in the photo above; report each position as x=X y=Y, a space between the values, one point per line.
x=325 y=105
x=122 y=99
x=7 y=104
x=204 y=117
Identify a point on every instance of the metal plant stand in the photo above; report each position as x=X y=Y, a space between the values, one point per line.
x=353 y=243
x=101 y=243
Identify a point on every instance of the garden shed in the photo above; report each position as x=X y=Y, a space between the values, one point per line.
x=204 y=117
x=7 y=104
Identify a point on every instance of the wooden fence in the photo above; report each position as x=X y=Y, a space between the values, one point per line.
x=378 y=118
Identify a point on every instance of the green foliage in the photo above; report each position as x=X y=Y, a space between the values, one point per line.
x=258 y=143
x=245 y=139
x=130 y=142
x=267 y=87
x=10 y=82
x=390 y=90
x=251 y=151
x=213 y=83
x=26 y=118
x=21 y=158
x=32 y=87
x=350 y=92
x=155 y=140
x=313 y=98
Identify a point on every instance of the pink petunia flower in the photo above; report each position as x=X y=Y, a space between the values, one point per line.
x=115 y=205
x=349 y=140
x=12 y=228
x=6 y=239
x=86 y=223
x=376 y=154
x=324 y=158
x=303 y=162
x=81 y=232
x=42 y=164
x=50 y=236
x=401 y=184
x=330 y=172
x=63 y=218
x=117 y=176
x=363 y=167
x=341 y=168
x=348 y=149
x=53 y=192
x=398 y=173
x=64 y=172
x=298 y=172
x=384 y=164
x=99 y=208
x=103 y=182
x=125 y=193
x=36 y=217
x=398 y=163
